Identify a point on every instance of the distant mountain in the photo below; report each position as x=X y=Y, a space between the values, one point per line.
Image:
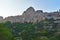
x=30 y=15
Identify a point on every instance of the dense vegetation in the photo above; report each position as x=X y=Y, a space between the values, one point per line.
x=44 y=30
x=5 y=33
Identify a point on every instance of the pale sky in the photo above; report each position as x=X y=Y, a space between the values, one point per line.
x=17 y=7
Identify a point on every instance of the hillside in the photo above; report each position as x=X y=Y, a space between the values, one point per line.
x=32 y=15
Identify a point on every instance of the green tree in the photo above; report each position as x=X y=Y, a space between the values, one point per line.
x=5 y=33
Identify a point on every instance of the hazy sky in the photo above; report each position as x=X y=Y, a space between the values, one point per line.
x=17 y=7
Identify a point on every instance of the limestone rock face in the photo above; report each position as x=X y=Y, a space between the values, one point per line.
x=30 y=15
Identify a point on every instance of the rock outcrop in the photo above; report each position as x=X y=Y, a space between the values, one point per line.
x=30 y=15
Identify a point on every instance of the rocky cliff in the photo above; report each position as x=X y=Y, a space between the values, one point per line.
x=30 y=15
